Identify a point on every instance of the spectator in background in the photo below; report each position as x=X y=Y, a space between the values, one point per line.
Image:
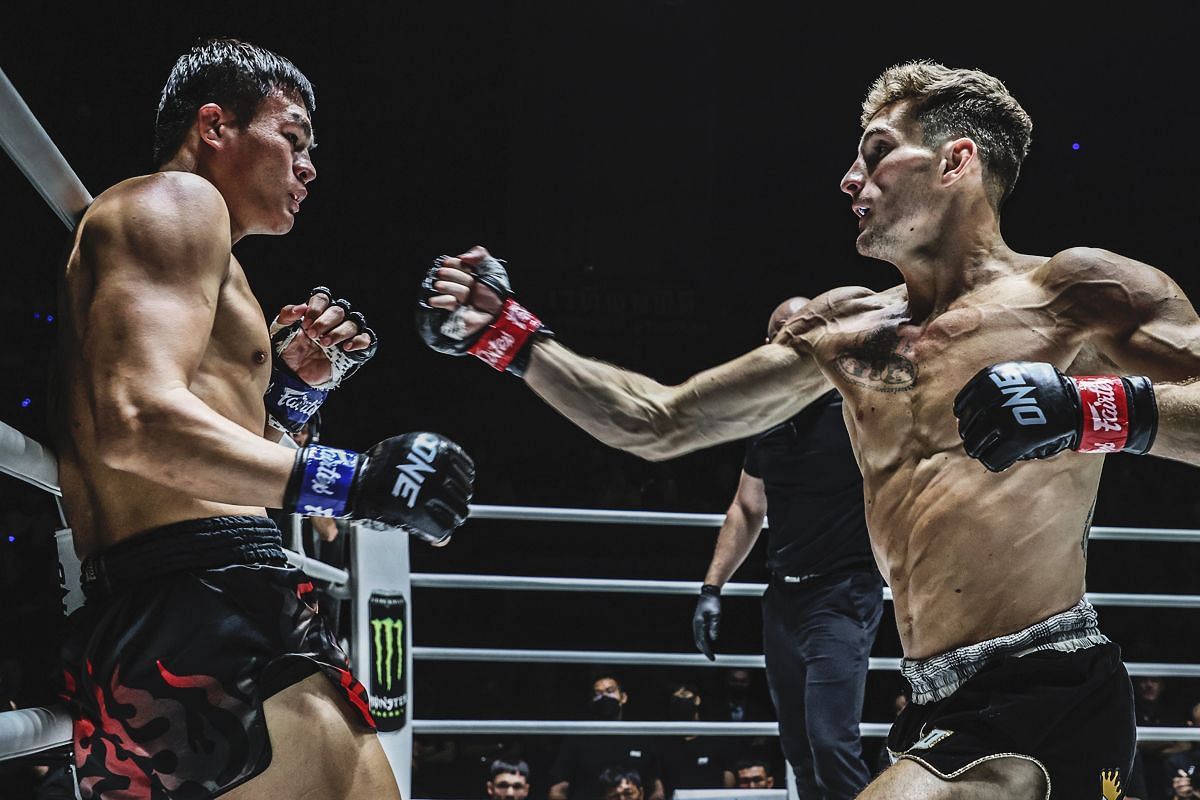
x=692 y=761
x=620 y=783
x=508 y=780
x=1148 y=692
x=1182 y=767
x=575 y=774
x=739 y=703
x=754 y=772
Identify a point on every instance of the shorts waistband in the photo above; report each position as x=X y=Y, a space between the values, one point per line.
x=192 y=544
x=937 y=677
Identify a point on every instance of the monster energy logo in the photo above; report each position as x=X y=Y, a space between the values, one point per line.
x=389 y=648
x=389 y=684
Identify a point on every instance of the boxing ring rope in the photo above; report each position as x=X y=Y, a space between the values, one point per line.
x=725 y=661
x=30 y=148
x=433 y=580
x=690 y=520
x=29 y=731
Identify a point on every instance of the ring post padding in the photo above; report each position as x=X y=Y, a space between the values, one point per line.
x=382 y=634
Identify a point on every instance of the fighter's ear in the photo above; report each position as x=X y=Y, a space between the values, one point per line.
x=213 y=121
x=959 y=155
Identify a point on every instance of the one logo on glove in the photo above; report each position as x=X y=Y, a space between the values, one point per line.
x=1024 y=408
x=412 y=473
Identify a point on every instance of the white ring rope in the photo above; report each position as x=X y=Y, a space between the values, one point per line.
x=680 y=519
x=434 y=580
x=637 y=727
x=723 y=660
x=30 y=148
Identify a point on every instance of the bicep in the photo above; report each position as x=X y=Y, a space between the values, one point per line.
x=751 y=496
x=1161 y=337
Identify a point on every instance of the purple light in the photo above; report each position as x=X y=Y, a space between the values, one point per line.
x=37 y=315
x=1075 y=146
x=26 y=403
x=49 y=318
x=12 y=539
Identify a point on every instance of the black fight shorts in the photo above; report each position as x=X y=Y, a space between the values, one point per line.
x=1071 y=714
x=185 y=631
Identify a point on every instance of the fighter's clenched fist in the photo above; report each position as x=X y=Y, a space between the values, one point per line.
x=466 y=308
x=1020 y=410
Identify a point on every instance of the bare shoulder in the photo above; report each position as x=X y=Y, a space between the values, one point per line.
x=832 y=309
x=169 y=213
x=1105 y=289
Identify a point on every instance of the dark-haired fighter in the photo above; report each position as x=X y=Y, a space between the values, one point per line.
x=198 y=666
x=1016 y=691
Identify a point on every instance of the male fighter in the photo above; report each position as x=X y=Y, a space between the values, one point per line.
x=1017 y=693
x=198 y=663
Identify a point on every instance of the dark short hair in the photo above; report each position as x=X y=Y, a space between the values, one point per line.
x=601 y=672
x=500 y=766
x=235 y=74
x=746 y=762
x=611 y=778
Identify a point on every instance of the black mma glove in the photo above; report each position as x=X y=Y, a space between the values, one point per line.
x=420 y=482
x=706 y=619
x=1020 y=410
x=505 y=344
x=290 y=401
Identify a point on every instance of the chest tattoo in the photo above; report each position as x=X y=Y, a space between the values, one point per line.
x=879 y=360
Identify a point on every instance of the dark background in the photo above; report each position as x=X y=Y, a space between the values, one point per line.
x=659 y=175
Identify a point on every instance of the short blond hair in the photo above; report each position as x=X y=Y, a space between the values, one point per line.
x=960 y=102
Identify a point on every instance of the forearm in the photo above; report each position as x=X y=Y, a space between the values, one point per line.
x=632 y=412
x=1178 y=434
x=739 y=532
x=178 y=441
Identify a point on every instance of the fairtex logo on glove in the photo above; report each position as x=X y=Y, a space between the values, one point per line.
x=1105 y=413
x=412 y=474
x=328 y=473
x=501 y=342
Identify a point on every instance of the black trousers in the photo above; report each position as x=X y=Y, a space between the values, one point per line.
x=817 y=638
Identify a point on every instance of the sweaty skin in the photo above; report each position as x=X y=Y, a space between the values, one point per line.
x=969 y=555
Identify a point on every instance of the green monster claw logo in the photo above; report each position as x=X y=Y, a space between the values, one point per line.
x=389 y=648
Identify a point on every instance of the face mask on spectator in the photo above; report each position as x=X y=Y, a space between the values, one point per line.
x=606 y=707
x=682 y=708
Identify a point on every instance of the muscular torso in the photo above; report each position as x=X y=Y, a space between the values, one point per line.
x=968 y=554
x=103 y=505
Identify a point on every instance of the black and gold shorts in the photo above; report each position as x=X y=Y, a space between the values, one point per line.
x=1070 y=714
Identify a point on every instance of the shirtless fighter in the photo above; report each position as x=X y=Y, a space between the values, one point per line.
x=1017 y=693
x=198 y=662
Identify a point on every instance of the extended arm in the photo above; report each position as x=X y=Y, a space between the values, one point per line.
x=468 y=309
x=630 y=411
